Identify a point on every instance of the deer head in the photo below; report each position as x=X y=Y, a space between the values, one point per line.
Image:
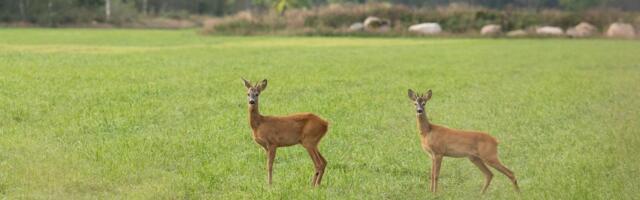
x=254 y=91
x=419 y=100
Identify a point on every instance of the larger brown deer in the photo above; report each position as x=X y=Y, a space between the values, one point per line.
x=272 y=132
x=440 y=141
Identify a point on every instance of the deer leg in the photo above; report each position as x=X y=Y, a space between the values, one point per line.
x=487 y=173
x=433 y=172
x=271 y=155
x=322 y=164
x=438 y=159
x=495 y=163
x=316 y=164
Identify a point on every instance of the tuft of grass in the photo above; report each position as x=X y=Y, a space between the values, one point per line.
x=149 y=114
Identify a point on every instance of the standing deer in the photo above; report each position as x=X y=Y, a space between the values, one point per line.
x=440 y=141
x=272 y=132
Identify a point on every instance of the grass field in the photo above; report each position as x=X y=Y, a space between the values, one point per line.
x=144 y=114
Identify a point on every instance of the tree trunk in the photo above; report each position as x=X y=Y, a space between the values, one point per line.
x=144 y=7
x=107 y=9
x=22 y=15
x=49 y=10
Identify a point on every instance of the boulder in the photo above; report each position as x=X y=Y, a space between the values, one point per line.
x=572 y=32
x=549 y=31
x=376 y=24
x=426 y=28
x=517 y=33
x=356 y=27
x=583 y=29
x=621 y=30
x=491 y=29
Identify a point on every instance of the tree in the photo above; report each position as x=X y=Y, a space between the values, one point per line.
x=579 y=4
x=281 y=6
x=107 y=10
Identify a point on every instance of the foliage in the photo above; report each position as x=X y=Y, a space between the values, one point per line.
x=62 y=12
x=335 y=19
x=580 y=4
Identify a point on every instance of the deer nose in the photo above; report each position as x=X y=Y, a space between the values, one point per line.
x=419 y=111
x=252 y=101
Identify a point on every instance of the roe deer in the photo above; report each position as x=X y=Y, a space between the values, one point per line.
x=272 y=132
x=440 y=141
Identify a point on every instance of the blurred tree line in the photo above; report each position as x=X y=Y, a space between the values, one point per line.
x=53 y=12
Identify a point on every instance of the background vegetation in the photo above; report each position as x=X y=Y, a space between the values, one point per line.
x=454 y=19
x=147 y=114
x=123 y=12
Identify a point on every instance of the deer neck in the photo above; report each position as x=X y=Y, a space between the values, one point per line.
x=254 y=116
x=423 y=124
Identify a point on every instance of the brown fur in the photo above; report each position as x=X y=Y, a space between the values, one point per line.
x=439 y=141
x=272 y=132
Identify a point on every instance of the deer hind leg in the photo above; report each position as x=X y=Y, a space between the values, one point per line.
x=320 y=168
x=314 y=133
x=271 y=155
x=316 y=163
x=495 y=163
x=485 y=170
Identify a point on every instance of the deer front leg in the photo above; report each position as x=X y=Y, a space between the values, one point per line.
x=438 y=162
x=271 y=155
x=433 y=167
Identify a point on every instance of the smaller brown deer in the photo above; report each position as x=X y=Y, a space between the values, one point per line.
x=272 y=132
x=440 y=141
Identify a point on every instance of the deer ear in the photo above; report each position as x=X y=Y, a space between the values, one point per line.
x=412 y=95
x=263 y=85
x=428 y=95
x=246 y=83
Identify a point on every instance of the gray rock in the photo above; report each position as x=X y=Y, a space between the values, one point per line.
x=583 y=29
x=491 y=29
x=517 y=33
x=621 y=30
x=358 y=26
x=426 y=28
x=549 y=31
x=376 y=24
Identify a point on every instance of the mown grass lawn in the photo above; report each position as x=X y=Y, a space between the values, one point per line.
x=146 y=114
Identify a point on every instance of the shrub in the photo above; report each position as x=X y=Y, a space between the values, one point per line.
x=334 y=19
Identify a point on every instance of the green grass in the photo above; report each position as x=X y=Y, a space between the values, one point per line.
x=143 y=114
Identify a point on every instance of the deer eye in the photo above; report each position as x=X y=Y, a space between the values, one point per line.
x=257 y=94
